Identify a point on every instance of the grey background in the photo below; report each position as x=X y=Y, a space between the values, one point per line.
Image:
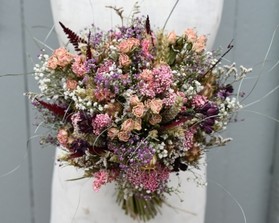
x=246 y=171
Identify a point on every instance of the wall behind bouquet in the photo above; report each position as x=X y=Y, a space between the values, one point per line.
x=246 y=168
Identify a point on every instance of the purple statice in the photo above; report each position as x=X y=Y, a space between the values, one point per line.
x=137 y=30
x=91 y=65
x=109 y=78
x=96 y=38
x=136 y=153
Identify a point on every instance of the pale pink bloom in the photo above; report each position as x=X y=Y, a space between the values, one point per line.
x=62 y=137
x=156 y=105
x=71 y=84
x=199 y=100
x=52 y=63
x=137 y=125
x=138 y=110
x=124 y=60
x=128 y=125
x=134 y=100
x=128 y=45
x=145 y=46
x=191 y=35
x=155 y=119
x=78 y=66
x=172 y=37
x=123 y=136
x=112 y=133
x=200 y=44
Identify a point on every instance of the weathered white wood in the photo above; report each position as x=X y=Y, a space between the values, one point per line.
x=75 y=201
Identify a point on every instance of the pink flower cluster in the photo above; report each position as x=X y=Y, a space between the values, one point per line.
x=60 y=58
x=150 y=180
x=100 y=122
x=100 y=178
x=156 y=81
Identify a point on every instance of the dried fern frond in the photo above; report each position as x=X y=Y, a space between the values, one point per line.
x=73 y=37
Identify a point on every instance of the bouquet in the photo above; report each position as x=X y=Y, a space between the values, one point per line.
x=133 y=105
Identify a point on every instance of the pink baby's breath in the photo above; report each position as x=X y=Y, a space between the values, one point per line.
x=199 y=100
x=100 y=122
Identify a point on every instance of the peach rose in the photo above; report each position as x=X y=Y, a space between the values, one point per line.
x=124 y=60
x=63 y=56
x=123 y=136
x=138 y=110
x=60 y=57
x=156 y=105
x=172 y=37
x=200 y=44
x=137 y=125
x=134 y=100
x=113 y=108
x=112 y=133
x=71 y=84
x=62 y=137
x=128 y=125
x=52 y=63
x=128 y=45
x=155 y=119
x=191 y=35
